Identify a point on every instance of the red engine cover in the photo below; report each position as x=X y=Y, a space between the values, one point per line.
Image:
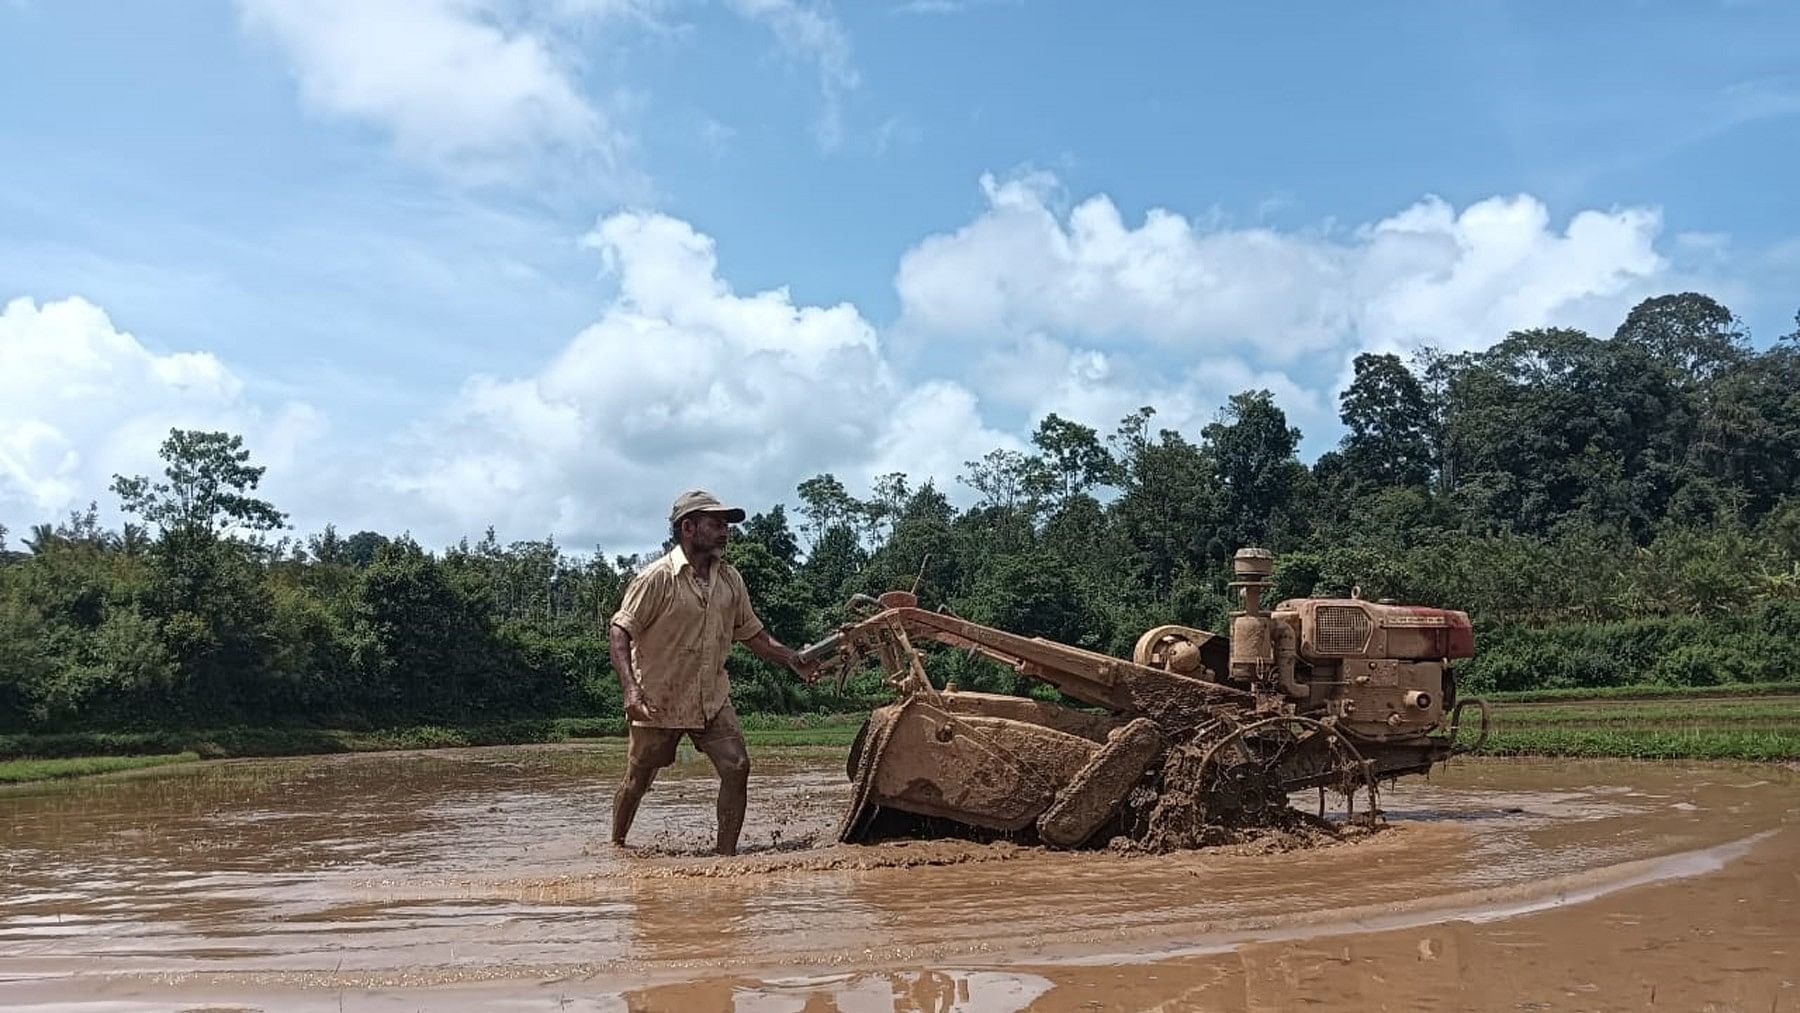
x=1456 y=636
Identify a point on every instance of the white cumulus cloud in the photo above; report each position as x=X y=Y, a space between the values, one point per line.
x=1465 y=279
x=682 y=382
x=504 y=90
x=1079 y=312
x=1427 y=274
x=81 y=400
x=456 y=83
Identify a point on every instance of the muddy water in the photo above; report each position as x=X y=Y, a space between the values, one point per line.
x=481 y=879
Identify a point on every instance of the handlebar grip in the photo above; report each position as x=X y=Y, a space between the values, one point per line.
x=821 y=650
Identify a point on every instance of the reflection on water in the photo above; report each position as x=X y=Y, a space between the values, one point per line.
x=452 y=870
x=925 y=991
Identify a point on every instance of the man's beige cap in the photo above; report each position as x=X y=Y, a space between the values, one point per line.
x=701 y=501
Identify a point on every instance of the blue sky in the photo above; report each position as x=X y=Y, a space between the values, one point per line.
x=448 y=263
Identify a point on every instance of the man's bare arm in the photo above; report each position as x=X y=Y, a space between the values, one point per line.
x=776 y=653
x=619 y=643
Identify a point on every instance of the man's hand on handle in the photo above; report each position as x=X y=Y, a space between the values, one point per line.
x=777 y=653
x=808 y=671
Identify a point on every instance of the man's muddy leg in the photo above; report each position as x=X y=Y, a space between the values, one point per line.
x=732 y=760
x=625 y=801
x=647 y=751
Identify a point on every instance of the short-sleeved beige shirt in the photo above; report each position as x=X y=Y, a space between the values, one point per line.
x=681 y=634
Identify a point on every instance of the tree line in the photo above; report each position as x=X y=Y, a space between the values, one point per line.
x=1609 y=510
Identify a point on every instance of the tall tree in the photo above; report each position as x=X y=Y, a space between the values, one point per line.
x=1035 y=594
x=1253 y=449
x=921 y=550
x=209 y=479
x=430 y=636
x=1692 y=334
x=1168 y=513
x=362 y=548
x=1389 y=443
x=834 y=561
x=771 y=530
x=42 y=539
x=1073 y=454
x=1552 y=421
x=1749 y=432
x=1128 y=441
x=1006 y=479
x=326 y=547
x=825 y=504
x=1437 y=372
x=889 y=497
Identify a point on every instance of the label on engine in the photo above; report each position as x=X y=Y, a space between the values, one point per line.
x=1414 y=622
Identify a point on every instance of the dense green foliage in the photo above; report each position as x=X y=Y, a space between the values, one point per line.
x=1610 y=511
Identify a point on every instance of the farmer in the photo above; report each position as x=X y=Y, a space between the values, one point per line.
x=669 y=641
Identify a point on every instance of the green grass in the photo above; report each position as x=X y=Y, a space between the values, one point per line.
x=785 y=722
x=1743 y=722
x=1648 y=743
x=217 y=743
x=34 y=757
x=15 y=771
x=1784 y=710
x=1713 y=726
x=769 y=729
x=1737 y=689
x=817 y=735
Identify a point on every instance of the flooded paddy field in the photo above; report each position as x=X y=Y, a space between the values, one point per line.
x=481 y=879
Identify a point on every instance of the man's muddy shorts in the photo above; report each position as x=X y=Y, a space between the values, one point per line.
x=653 y=748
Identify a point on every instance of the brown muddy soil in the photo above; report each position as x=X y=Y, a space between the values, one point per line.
x=480 y=879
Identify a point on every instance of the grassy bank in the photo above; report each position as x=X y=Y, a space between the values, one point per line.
x=841 y=734
x=219 y=743
x=759 y=729
x=802 y=729
x=1648 y=743
x=1740 y=722
x=15 y=771
x=1780 y=711
x=1716 y=727
x=1737 y=689
x=32 y=757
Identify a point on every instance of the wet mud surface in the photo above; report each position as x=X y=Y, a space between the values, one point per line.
x=481 y=879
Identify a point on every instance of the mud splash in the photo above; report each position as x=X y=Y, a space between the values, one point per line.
x=693 y=863
x=481 y=879
x=1273 y=832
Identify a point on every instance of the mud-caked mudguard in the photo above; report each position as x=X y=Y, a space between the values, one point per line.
x=1091 y=798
